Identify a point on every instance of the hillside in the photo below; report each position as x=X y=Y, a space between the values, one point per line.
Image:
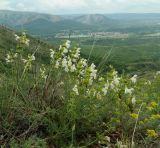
x=46 y=27
x=8 y=43
x=56 y=98
x=14 y=18
x=6 y=38
x=36 y=23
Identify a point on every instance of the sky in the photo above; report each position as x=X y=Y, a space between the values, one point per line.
x=82 y=6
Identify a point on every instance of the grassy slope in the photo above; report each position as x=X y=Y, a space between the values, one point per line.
x=38 y=113
x=7 y=43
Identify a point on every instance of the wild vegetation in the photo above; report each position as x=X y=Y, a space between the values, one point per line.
x=68 y=101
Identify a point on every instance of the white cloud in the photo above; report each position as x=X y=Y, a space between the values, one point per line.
x=4 y=4
x=82 y=6
x=63 y=4
x=20 y=6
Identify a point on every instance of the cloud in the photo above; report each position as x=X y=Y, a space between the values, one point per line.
x=81 y=6
x=4 y=4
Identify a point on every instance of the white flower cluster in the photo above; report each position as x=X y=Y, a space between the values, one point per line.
x=115 y=82
x=11 y=57
x=68 y=44
x=43 y=72
x=105 y=88
x=52 y=53
x=93 y=73
x=129 y=90
x=75 y=90
x=17 y=38
x=134 y=79
x=22 y=39
x=133 y=100
x=31 y=57
x=28 y=62
x=69 y=60
x=65 y=58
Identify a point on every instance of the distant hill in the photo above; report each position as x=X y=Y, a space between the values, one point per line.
x=94 y=19
x=134 y=16
x=38 y=23
x=14 y=18
x=45 y=27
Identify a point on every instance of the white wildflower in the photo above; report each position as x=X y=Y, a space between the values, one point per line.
x=114 y=73
x=31 y=58
x=61 y=83
x=73 y=68
x=105 y=88
x=107 y=138
x=147 y=83
x=84 y=62
x=90 y=81
x=82 y=72
x=27 y=42
x=134 y=79
x=65 y=50
x=60 y=47
x=94 y=93
x=15 y=55
x=64 y=62
x=57 y=64
x=67 y=44
x=93 y=71
x=133 y=100
x=9 y=58
x=75 y=90
x=77 y=54
x=17 y=37
x=128 y=91
x=116 y=80
x=66 y=69
x=69 y=62
x=42 y=73
x=112 y=85
x=88 y=92
x=24 y=60
x=52 y=53
x=101 y=79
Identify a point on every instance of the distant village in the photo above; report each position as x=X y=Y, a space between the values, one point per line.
x=92 y=34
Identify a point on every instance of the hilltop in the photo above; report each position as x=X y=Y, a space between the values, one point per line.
x=94 y=19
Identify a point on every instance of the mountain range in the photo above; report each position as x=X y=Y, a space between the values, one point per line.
x=39 y=23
